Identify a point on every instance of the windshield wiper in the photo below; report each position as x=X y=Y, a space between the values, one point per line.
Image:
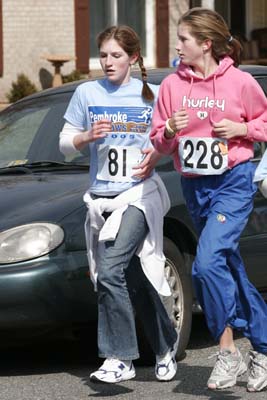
x=55 y=164
x=29 y=168
x=15 y=169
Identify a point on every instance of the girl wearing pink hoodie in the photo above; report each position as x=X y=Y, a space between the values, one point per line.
x=207 y=116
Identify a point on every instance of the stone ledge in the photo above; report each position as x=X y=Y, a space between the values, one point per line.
x=3 y=105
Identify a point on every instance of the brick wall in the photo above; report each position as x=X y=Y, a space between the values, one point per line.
x=32 y=28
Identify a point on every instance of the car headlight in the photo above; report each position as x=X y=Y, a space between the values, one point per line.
x=29 y=241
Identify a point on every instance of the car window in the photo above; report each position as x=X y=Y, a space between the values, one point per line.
x=17 y=131
x=262 y=80
x=259 y=147
x=29 y=131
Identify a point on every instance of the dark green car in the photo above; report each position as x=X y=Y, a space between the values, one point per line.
x=44 y=278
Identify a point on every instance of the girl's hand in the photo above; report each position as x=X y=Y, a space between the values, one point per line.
x=179 y=120
x=144 y=169
x=99 y=130
x=227 y=129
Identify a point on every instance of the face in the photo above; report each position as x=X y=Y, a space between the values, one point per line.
x=115 y=62
x=189 y=51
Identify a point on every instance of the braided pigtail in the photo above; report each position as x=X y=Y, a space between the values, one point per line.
x=147 y=93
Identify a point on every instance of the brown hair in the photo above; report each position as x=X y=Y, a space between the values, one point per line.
x=208 y=24
x=129 y=41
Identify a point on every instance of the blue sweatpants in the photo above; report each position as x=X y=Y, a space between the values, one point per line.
x=220 y=207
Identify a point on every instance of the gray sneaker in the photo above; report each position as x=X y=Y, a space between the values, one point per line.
x=257 y=378
x=227 y=368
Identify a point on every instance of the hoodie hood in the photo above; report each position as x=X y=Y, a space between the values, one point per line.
x=185 y=71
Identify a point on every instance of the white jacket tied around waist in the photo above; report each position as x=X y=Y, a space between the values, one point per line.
x=152 y=198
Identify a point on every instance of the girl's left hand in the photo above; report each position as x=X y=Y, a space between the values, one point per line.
x=144 y=169
x=227 y=129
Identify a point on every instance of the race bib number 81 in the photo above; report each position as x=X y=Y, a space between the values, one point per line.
x=115 y=163
x=203 y=156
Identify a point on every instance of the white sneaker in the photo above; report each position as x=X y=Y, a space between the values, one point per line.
x=257 y=378
x=113 y=371
x=166 y=365
x=228 y=367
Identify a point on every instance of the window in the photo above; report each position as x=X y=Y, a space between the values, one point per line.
x=138 y=14
x=195 y=3
x=29 y=130
x=1 y=39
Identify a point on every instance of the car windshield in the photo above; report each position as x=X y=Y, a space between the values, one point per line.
x=29 y=132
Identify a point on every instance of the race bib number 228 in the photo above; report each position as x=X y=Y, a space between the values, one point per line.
x=203 y=156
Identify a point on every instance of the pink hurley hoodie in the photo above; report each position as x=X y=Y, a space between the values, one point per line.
x=228 y=93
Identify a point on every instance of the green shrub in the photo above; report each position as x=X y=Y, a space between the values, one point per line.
x=21 y=88
x=75 y=75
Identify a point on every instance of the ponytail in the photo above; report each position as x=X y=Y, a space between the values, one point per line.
x=235 y=50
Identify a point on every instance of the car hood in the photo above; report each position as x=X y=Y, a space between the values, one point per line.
x=49 y=197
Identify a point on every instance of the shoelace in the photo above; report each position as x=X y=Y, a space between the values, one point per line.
x=111 y=362
x=164 y=359
x=255 y=366
x=221 y=364
x=170 y=355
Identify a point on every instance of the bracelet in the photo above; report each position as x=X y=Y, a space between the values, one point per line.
x=170 y=131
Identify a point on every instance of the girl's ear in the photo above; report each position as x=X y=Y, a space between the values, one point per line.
x=133 y=59
x=206 y=45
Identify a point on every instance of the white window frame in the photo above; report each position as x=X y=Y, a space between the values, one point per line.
x=150 y=59
x=256 y=15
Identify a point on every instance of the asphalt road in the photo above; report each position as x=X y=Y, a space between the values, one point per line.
x=59 y=370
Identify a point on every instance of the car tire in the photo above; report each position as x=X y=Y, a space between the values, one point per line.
x=179 y=304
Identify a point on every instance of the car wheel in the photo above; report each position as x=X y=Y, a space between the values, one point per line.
x=179 y=304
